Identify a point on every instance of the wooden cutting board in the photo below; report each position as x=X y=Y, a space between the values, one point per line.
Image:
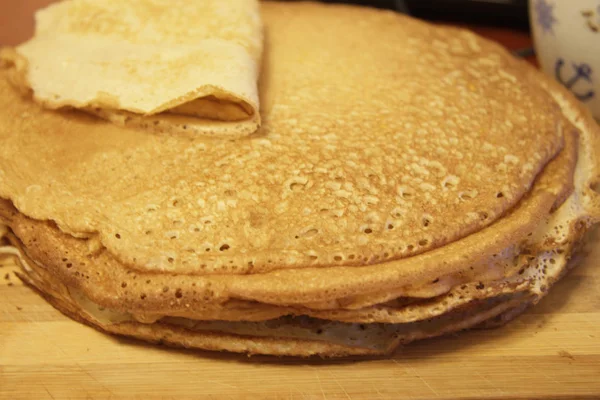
x=552 y=351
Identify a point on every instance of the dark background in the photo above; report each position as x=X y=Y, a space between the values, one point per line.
x=490 y=18
x=506 y=13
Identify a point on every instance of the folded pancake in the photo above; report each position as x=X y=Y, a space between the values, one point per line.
x=167 y=66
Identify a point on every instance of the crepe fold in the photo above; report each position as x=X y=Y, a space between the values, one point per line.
x=162 y=65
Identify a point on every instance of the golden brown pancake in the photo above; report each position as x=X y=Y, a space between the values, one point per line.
x=345 y=171
x=114 y=285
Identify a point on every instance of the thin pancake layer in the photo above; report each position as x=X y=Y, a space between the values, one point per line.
x=286 y=336
x=409 y=147
x=109 y=281
x=307 y=336
x=481 y=257
x=196 y=59
x=399 y=310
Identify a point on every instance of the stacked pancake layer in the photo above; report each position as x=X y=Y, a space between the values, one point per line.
x=398 y=189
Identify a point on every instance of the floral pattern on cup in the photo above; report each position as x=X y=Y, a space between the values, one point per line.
x=567 y=44
x=545 y=15
x=580 y=72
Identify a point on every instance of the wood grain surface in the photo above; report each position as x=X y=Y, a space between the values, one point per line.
x=551 y=352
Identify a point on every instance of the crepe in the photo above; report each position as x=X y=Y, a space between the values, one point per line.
x=410 y=203
x=114 y=285
x=335 y=179
x=167 y=66
x=305 y=336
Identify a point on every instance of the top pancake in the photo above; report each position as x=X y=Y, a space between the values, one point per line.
x=390 y=138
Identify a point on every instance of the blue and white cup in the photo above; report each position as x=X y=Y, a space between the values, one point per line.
x=566 y=34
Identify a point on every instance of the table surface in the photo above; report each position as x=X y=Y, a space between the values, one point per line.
x=552 y=351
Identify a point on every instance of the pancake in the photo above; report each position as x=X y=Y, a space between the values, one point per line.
x=167 y=66
x=300 y=336
x=521 y=279
x=286 y=336
x=113 y=285
x=418 y=185
x=119 y=285
x=320 y=185
x=306 y=336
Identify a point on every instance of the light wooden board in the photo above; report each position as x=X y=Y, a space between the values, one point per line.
x=553 y=351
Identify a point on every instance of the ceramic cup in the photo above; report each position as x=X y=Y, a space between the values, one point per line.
x=566 y=34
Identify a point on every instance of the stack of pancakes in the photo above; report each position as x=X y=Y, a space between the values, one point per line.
x=407 y=181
